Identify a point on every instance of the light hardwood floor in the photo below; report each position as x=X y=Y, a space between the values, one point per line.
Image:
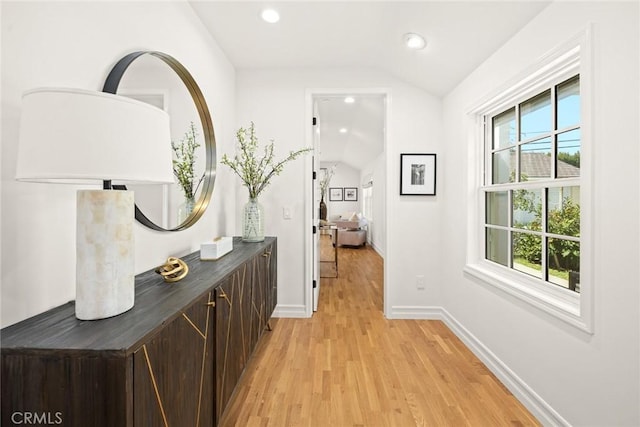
x=349 y=366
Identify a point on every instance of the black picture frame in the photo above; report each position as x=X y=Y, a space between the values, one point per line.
x=417 y=174
x=336 y=194
x=350 y=194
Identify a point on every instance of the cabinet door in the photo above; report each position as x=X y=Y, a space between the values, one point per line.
x=64 y=387
x=173 y=371
x=263 y=298
x=272 y=273
x=233 y=332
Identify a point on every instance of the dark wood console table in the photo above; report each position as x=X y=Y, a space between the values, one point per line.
x=174 y=359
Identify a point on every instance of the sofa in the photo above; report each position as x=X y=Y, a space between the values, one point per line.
x=352 y=237
x=352 y=229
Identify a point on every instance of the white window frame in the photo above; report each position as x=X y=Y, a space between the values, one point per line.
x=367 y=201
x=571 y=58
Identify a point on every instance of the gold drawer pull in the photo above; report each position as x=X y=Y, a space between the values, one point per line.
x=211 y=304
x=266 y=254
x=223 y=295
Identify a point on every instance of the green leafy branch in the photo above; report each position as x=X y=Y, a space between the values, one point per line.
x=184 y=163
x=326 y=180
x=256 y=173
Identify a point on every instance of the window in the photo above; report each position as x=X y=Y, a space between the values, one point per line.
x=367 y=201
x=530 y=225
x=532 y=193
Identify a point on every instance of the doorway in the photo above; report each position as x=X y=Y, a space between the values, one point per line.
x=348 y=130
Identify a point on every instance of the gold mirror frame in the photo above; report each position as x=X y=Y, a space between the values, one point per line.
x=111 y=86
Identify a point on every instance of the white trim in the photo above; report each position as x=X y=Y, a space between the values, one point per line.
x=290 y=311
x=308 y=211
x=542 y=410
x=415 y=312
x=386 y=205
x=533 y=185
x=551 y=299
x=308 y=202
x=568 y=59
x=377 y=249
x=566 y=56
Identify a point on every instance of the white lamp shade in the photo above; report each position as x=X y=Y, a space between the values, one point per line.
x=79 y=136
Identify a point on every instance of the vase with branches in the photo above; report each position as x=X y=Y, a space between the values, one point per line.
x=256 y=168
x=324 y=187
x=184 y=169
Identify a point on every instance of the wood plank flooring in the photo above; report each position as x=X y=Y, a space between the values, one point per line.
x=349 y=366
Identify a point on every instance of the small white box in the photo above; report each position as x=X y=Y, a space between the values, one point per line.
x=216 y=248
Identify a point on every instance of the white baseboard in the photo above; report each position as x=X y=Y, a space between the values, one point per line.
x=291 y=311
x=415 y=312
x=525 y=394
x=377 y=249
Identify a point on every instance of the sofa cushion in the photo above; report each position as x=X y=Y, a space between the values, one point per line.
x=349 y=225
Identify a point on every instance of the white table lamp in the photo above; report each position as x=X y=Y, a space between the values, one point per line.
x=84 y=137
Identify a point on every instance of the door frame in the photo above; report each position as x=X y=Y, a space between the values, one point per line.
x=309 y=183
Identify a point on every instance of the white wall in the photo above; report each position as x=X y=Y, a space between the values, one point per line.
x=275 y=101
x=588 y=379
x=376 y=228
x=75 y=44
x=345 y=176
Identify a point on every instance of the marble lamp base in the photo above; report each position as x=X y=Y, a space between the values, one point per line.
x=104 y=253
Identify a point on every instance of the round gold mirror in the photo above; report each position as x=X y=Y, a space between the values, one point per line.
x=160 y=80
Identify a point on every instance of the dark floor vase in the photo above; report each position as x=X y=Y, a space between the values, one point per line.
x=323 y=210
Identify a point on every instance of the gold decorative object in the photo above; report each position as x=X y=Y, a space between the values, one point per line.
x=173 y=270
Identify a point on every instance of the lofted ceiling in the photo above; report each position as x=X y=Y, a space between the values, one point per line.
x=340 y=34
x=363 y=123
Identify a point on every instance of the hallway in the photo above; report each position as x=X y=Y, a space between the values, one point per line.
x=349 y=366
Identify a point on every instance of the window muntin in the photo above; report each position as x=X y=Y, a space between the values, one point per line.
x=504 y=129
x=527 y=254
x=497 y=242
x=526 y=209
x=535 y=160
x=497 y=205
x=568 y=103
x=535 y=116
x=568 y=158
x=532 y=203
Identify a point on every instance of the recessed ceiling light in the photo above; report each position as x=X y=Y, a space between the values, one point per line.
x=414 y=41
x=270 y=15
x=343 y=130
x=349 y=100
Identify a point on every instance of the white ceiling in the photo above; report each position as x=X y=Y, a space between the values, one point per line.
x=364 y=122
x=319 y=34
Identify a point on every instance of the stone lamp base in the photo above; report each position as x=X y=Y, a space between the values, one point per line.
x=105 y=253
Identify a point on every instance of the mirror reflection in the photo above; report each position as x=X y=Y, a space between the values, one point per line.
x=151 y=80
x=160 y=80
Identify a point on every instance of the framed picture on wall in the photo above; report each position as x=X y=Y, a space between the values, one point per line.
x=350 y=194
x=417 y=174
x=335 y=194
